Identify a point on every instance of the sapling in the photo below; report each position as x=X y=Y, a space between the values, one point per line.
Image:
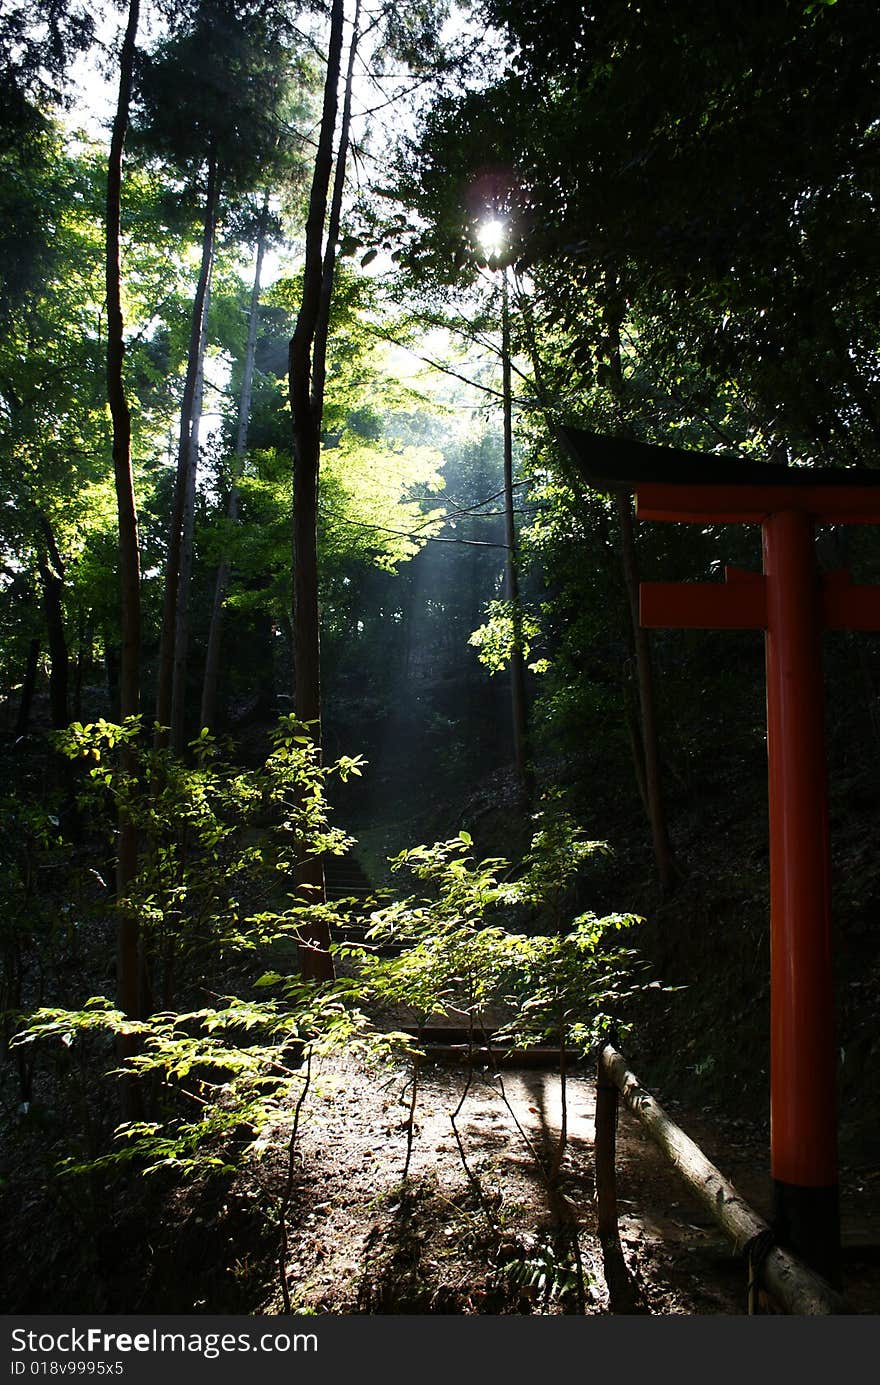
x=220 y=847
x=558 y=985
x=287 y=1193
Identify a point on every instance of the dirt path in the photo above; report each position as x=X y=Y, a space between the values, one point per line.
x=475 y=1228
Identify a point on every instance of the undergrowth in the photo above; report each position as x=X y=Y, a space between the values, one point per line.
x=222 y=1078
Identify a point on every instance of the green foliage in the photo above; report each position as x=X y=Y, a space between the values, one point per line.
x=559 y=850
x=381 y=468
x=373 y=501
x=569 y=985
x=55 y=463
x=224 y=70
x=218 y=849
x=52 y=411
x=496 y=639
x=225 y=1078
x=216 y=839
x=544 y=1271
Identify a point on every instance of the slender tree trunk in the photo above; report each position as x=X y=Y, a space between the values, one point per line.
x=128 y=964
x=307 y=372
x=184 y=578
x=51 y=571
x=517 y=661
x=112 y=668
x=322 y=323
x=634 y=736
x=666 y=868
x=306 y=410
x=83 y=659
x=215 y=631
x=184 y=581
x=164 y=691
x=28 y=685
x=641 y=729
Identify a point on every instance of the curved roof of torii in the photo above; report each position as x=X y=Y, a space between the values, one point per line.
x=619 y=464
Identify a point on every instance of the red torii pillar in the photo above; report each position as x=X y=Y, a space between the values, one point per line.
x=792 y=602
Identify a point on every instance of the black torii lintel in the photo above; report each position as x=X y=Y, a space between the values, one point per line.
x=620 y=464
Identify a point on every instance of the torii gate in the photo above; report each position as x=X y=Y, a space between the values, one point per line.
x=792 y=602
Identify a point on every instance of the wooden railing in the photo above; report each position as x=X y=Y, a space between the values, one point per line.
x=792 y=1286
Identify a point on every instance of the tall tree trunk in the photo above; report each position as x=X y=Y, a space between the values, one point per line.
x=666 y=868
x=127 y=940
x=517 y=661
x=85 y=635
x=638 y=712
x=28 y=685
x=51 y=570
x=328 y=274
x=215 y=631
x=164 y=691
x=306 y=354
x=641 y=728
x=184 y=578
x=112 y=669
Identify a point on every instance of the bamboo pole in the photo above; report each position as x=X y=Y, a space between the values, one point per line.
x=790 y=1283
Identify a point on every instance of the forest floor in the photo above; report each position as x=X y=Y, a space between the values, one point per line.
x=477 y=1229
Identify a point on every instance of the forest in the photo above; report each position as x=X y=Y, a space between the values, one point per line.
x=347 y=807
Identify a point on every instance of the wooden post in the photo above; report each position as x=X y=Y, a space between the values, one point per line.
x=623 y=1293
x=605 y=1145
x=794 y=1286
